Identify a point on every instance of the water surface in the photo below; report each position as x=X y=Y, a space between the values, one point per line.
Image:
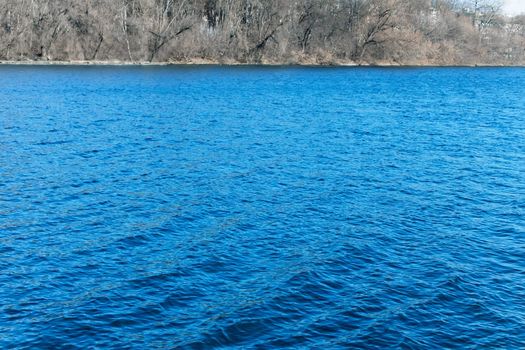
x=209 y=207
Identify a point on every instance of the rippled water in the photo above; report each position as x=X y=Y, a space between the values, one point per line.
x=155 y=208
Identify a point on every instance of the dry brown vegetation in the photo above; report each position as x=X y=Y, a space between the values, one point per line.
x=435 y=32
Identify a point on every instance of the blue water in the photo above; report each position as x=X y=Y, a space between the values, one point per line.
x=209 y=207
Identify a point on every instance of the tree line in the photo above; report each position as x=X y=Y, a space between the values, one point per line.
x=262 y=31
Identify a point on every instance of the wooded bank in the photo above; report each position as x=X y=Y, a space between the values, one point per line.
x=438 y=32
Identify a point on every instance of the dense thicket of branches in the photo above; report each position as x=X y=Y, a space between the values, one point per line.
x=278 y=31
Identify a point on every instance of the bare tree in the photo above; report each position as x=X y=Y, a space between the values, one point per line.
x=169 y=22
x=380 y=18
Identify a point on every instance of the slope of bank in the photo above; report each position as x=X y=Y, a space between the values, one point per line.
x=312 y=32
x=205 y=62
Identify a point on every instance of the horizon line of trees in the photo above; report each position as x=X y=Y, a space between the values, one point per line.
x=255 y=31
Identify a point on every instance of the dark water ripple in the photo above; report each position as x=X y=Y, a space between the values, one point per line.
x=262 y=208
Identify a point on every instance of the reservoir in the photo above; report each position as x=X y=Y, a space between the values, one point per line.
x=262 y=207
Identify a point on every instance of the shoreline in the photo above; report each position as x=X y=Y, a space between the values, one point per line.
x=204 y=62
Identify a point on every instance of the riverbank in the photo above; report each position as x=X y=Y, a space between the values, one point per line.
x=204 y=62
x=192 y=61
x=319 y=33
